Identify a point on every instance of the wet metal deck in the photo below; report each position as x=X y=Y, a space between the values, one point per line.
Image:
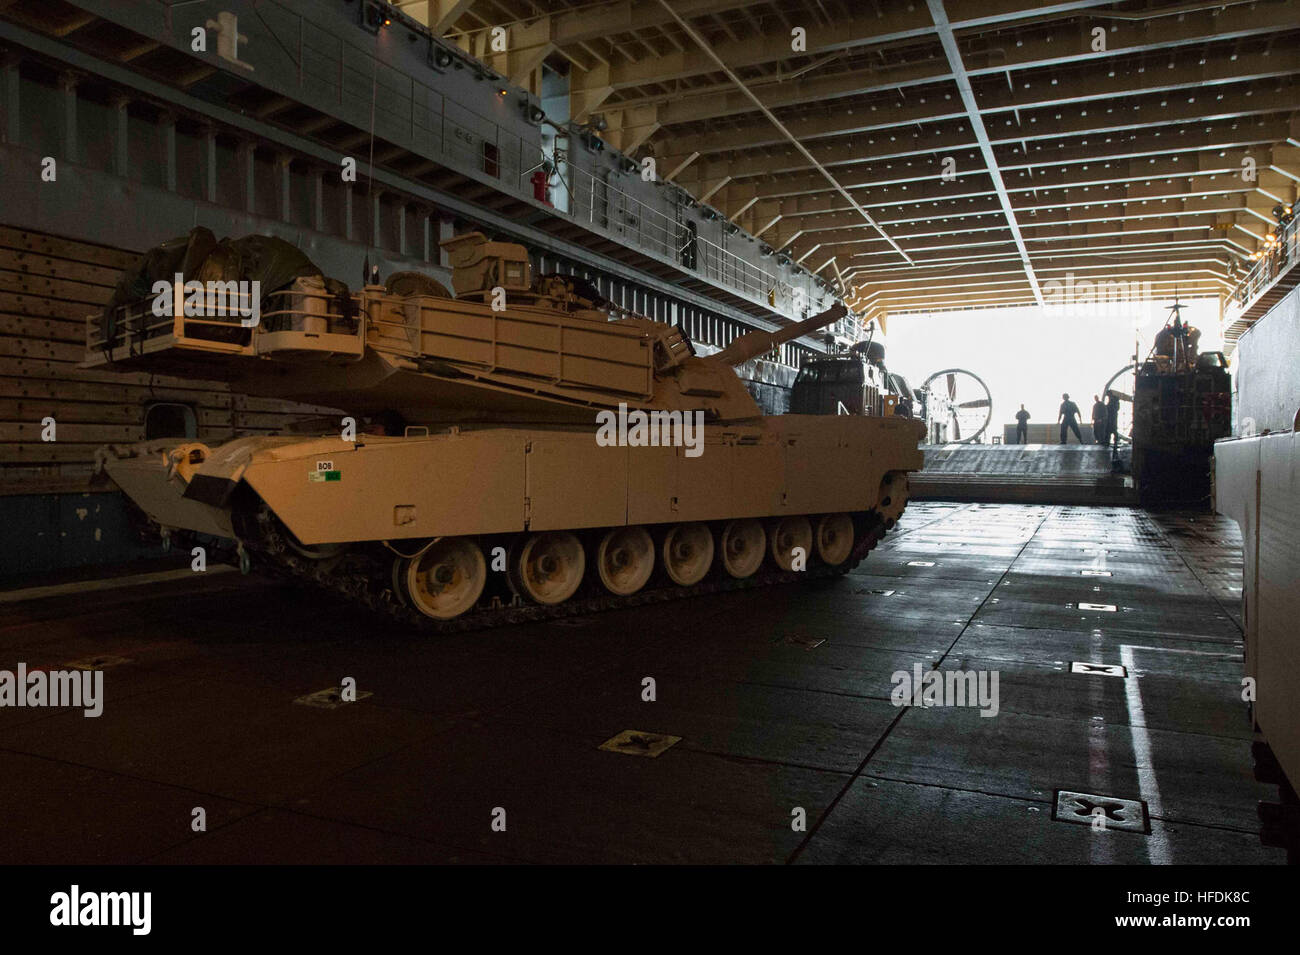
x=772 y=719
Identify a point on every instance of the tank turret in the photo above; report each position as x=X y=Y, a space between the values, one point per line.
x=504 y=348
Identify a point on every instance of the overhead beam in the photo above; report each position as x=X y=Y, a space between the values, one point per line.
x=722 y=65
x=1193 y=152
x=890 y=25
x=976 y=275
x=1158 y=112
x=1063 y=46
x=442 y=14
x=950 y=49
x=1039 y=93
x=1032 y=206
x=1070 y=250
x=1256 y=202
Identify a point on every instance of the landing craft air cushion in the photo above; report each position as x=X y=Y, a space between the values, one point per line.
x=484 y=453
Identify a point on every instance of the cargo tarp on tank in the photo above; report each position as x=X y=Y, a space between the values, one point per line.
x=268 y=260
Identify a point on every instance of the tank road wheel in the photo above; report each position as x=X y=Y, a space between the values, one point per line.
x=551 y=565
x=743 y=542
x=791 y=532
x=398 y=576
x=688 y=553
x=834 y=538
x=318 y=552
x=447 y=579
x=625 y=558
x=894 y=488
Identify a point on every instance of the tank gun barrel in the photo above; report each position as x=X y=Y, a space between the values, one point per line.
x=752 y=344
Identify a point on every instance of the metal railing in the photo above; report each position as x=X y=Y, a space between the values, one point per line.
x=1275 y=260
x=599 y=204
x=134 y=325
x=405 y=109
x=727 y=268
x=219 y=322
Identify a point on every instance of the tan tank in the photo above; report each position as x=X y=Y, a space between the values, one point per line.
x=507 y=454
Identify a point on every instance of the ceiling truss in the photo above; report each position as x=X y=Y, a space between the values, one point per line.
x=946 y=153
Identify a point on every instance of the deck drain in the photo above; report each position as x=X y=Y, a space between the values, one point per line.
x=97 y=663
x=1083 y=808
x=920 y=563
x=1098 y=669
x=1096 y=573
x=330 y=699
x=882 y=593
x=638 y=743
x=1105 y=608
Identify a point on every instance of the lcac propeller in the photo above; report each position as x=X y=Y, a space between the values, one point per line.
x=963 y=402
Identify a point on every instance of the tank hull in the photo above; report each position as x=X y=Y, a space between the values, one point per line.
x=497 y=480
x=345 y=513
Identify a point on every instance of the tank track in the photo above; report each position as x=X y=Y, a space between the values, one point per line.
x=364 y=576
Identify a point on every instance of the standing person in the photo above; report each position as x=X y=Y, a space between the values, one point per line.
x=1098 y=420
x=1068 y=417
x=1112 y=419
x=1022 y=426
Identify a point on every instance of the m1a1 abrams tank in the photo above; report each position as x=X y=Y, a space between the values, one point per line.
x=535 y=457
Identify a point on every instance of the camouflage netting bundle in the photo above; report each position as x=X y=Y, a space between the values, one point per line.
x=267 y=259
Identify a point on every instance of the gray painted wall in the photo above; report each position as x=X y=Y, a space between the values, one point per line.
x=1266 y=370
x=315 y=52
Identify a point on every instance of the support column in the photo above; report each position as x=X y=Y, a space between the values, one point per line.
x=9 y=68
x=168 y=123
x=426 y=230
x=318 y=201
x=121 y=134
x=210 y=164
x=401 y=228
x=446 y=229
x=349 y=230
x=282 y=163
x=248 y=168
x=68 y=86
